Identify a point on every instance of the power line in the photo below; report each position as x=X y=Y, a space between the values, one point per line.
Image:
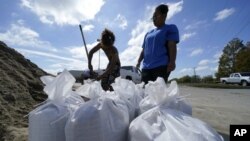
x=234 y=21
x=243 y=27
x=213 y=29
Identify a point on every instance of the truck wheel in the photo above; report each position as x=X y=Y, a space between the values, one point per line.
x=244 y=83
x=224 y=82
x=128 y=78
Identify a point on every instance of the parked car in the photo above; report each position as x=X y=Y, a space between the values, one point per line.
x=242 y=78
x=126 y=72
x=131 y=73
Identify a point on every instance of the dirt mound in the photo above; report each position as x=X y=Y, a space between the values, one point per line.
x=20 y=90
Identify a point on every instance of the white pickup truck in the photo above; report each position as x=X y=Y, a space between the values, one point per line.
x=242 y=78
x=131 y=73
x=126 y=72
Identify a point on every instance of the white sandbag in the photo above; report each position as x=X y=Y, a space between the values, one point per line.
x=158 y=94
x=47 y=122
x=130 y=93
x=159 y=124
x=101 y=119
x=91 y=90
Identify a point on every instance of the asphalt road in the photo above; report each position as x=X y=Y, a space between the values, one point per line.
x=219 y=107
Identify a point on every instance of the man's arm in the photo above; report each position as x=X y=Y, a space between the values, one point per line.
x=91 y=52
x=140 y=59
x=172 y=51
x=114 y=60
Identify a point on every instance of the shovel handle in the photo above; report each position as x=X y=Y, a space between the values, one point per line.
x=80 y=26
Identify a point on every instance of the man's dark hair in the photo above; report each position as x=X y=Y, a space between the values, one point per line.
x=108 y=37
x=163 y=9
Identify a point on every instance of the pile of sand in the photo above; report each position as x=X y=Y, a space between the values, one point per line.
x=20 y=90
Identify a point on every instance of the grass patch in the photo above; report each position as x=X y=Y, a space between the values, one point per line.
x=216 y=85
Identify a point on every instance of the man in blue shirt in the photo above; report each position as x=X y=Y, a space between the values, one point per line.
x=159 y=48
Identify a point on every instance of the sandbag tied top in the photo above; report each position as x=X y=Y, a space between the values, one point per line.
x=160 y=93
x=124 y=87
x=47 y=79
x=127 y=89
x=91 y=90
x=60 y=87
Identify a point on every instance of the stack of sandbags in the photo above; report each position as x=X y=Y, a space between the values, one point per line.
x=106 y=116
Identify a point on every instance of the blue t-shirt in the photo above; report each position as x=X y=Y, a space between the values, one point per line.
x=154 y=45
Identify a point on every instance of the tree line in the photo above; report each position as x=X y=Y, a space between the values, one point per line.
x=235 y=58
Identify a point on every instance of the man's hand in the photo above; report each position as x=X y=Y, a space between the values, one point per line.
x=138 y=65
x=171 y=66
x=100 y=77
x=90 y=68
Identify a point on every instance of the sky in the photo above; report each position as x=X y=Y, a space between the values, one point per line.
x=47 y=31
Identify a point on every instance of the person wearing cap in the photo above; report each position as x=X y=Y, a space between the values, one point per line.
x=113 y=68
x=159 y=47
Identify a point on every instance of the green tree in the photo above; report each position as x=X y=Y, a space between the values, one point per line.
x=248 y=44
x=227 y=62
x=243 y=60
x=195 y=79
x=208 y=79
x=185 y=79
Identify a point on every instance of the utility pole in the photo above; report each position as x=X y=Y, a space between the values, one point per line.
x=194 y=74
x=99 y=60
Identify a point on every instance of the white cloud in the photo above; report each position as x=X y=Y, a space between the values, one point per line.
x=122 y=21
x=218 y=55
x=223 y=14
x=204 y=62
x=215 y=69
x=79 y=53
x=174 y=8
x=187 y=36
x=195 y=25
x=119 y=21
x=45 y=54
x=88 y=27
x=130 y=55
x=19 y=35
x=59 y=63
x=186 y=70
x=202 y=68
x=196 y=52
x=139 y=32
x=63 y=12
